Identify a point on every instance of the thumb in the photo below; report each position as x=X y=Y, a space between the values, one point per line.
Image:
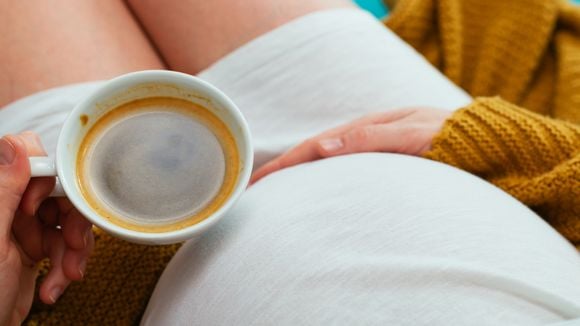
x=14 y=176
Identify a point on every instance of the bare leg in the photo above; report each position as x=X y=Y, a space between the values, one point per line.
x=50 y=43
x=192 y=34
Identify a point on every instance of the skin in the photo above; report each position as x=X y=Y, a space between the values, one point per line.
x=28 y=232
x=190 y=35
x=406 y=131
x=46 y=44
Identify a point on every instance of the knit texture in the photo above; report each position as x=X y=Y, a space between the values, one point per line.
x=526 y=51
x=120 y=279
x=534 y=158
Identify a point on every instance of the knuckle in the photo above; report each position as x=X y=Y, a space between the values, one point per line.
x=307 y=144
x=311 y=142
x=359 y=135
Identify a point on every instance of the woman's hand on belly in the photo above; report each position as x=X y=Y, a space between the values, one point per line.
x=405 y=131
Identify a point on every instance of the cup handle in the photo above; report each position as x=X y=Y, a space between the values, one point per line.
x=42 y=166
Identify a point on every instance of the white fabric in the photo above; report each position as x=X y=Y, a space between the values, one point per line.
x=365 y=239
x=372 y=239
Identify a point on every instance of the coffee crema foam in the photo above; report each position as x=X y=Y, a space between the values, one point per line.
x=157 y=164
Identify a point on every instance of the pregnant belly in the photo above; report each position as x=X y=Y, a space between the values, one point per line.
x=354 y=239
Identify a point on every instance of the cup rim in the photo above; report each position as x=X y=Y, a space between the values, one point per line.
x=68 y=178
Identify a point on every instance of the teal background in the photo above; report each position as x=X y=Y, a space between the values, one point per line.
x=374 y=6
x=379 y=10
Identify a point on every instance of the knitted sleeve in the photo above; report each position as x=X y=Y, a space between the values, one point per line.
x=534 y=158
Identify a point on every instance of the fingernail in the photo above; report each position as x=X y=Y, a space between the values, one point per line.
x=331 y=145
x=55 y=294
x=33 y=138
x=82 y=268
x=7 y=152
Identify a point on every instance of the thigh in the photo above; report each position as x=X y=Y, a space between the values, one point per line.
x=192 y=34
x=51 y=43
x=372 y=239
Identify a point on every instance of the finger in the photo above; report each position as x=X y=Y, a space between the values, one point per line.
x=27 y=228
x=305 y=152
x=26 y=294
x=64 y=204
x=394 y=138
x=75 y=261
x=39 y=188
x=309 y=150
x=26 y=283
x=76 y=229
x=264 y=170
x=27 y=231
x=14 y=176
x=49 y=212
x=56 y=281
x=373 y=118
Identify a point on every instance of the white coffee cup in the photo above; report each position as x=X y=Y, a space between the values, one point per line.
x=124 y=89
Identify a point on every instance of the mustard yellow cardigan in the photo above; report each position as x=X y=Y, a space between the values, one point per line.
x=520 y=59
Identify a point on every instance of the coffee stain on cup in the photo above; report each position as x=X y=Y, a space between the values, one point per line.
x=84 y=119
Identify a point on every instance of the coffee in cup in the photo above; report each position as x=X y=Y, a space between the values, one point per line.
x=157 y=164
